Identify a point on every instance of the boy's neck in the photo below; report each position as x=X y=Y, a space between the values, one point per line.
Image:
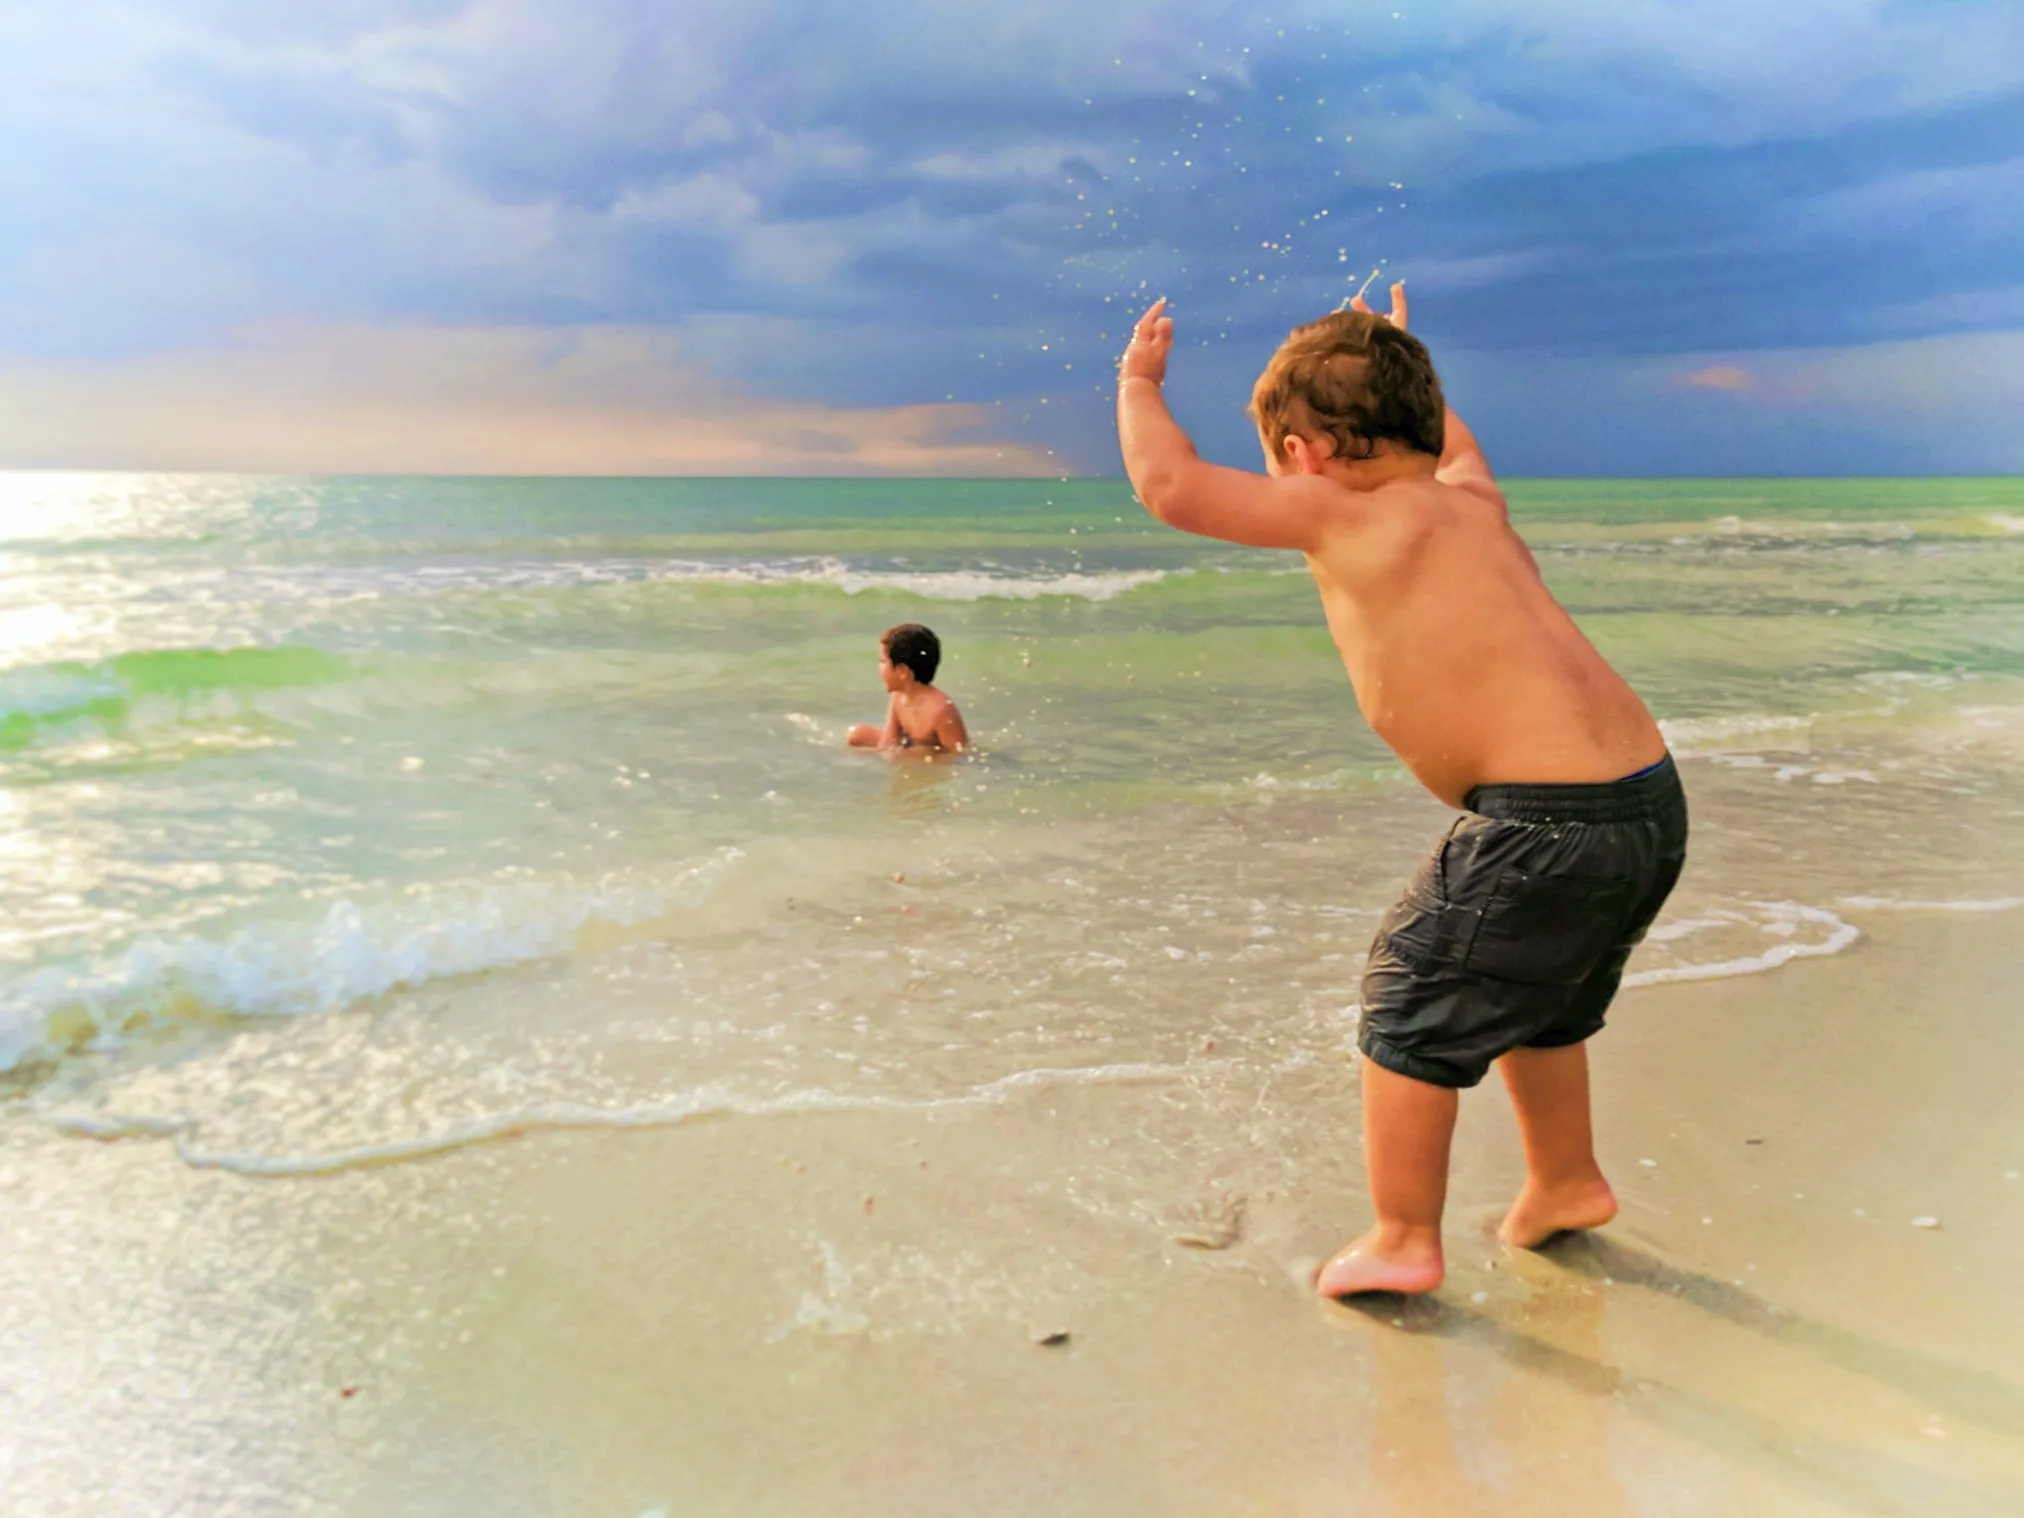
x=1381 y=469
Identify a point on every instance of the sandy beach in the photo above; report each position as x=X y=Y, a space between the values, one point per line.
x=840 y=1313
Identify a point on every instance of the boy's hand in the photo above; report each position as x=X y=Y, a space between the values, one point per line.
x=1397 y=315
x=1151 y=341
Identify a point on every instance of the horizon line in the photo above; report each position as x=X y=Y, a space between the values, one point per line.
x=965 y=479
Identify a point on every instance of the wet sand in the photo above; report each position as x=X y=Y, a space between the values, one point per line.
x=838 y=1313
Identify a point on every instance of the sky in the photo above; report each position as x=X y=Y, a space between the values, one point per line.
x=1642 y=237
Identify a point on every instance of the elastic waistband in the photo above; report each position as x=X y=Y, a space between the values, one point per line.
x=1651 y=793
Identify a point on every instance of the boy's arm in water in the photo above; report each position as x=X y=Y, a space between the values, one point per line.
x=1177 y=486
x=864 y=735
x=950 y=732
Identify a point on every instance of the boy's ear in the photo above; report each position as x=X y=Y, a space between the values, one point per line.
x=1304 y=455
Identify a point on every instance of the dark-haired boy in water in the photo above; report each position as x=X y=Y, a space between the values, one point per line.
x=918 y=716
x=1511 y=938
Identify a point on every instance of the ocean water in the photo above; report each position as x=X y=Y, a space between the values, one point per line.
x=345 y=821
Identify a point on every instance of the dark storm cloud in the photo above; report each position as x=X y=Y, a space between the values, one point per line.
x=912 y=201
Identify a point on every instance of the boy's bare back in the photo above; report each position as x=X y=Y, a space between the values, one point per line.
x=923 y=717
x=1461 y=658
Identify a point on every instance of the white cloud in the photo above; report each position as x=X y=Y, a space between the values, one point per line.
x=1970 y=378
x=1039 y=159
x=1977 y=200
x=708 y=202
x=711 y=129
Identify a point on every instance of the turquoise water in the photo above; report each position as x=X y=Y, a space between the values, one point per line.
x=469 y=798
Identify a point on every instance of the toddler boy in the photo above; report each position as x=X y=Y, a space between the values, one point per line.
x=1512 y=936
x=917 y=716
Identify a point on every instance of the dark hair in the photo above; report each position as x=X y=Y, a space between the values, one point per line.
x=1356 y=379
x=915 y=647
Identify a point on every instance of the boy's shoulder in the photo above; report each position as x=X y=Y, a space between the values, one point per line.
x=1345 y=511
x=1428 y=503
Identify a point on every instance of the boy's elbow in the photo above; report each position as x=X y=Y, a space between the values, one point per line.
x=1161 y=493
x=1151 y=494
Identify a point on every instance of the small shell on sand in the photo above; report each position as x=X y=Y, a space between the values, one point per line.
x=1925 y=1222
x=1212 y=1224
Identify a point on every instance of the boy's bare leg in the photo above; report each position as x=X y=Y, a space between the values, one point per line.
x=1564 y=1188
x=864 y=735
x=1407 y=1126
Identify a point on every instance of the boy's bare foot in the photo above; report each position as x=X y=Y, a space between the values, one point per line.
x=1412 y=1264
x=1539 y=1213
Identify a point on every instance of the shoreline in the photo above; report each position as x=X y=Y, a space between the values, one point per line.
x=840 y=1312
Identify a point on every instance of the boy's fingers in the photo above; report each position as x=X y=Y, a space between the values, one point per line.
x=1358 y=303
x=1398 y=310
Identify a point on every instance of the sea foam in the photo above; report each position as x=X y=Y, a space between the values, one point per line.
x=1893 y=904
x=992 y=583
x=1695 y=737
x=348 y=954
x=693 y=1106
x=1782 y=918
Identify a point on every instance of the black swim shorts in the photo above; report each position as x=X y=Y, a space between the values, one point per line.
x=1514 y=931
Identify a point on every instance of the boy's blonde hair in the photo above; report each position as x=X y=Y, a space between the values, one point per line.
x=1355 y=379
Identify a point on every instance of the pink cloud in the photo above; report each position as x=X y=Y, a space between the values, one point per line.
x=320 y=398
x=1729 y=377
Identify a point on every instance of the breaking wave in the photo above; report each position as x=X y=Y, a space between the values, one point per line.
x=36 y=698
x=488 y=575
x=349 y=954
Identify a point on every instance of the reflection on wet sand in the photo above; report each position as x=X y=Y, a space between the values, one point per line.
x=1991 y=1401
x=1426 y=1460
x=1516 y=1461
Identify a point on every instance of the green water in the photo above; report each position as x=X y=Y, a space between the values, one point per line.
x=544 y=778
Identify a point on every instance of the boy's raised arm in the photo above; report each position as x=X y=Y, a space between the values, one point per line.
x=1462 y=463
x=1172 y=480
